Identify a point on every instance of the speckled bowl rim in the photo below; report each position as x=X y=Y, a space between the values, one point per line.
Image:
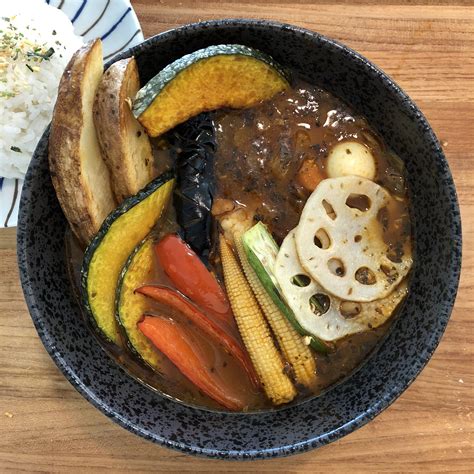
x=379 y=405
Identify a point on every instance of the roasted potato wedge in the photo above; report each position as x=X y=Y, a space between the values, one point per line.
x=125 y=145
x=79 y=174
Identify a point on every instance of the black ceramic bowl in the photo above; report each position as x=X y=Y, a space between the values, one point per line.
x=351 y=404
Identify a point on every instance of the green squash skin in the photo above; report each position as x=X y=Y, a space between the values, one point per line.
x=274 y=294
x=123 y=208
x=147 y=94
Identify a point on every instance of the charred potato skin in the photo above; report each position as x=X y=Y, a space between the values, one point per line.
x=76 y=194
x=124 y=143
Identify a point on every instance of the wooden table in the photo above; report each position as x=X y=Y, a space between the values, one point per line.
x=429 y=50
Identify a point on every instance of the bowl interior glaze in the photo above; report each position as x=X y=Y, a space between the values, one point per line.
x=351 y=404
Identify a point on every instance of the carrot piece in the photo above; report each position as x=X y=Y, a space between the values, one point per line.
x=172 y=298
x=310 y=175
x=191 y=277
x=173 y=341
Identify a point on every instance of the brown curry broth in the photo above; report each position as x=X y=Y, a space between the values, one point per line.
x=260 y=151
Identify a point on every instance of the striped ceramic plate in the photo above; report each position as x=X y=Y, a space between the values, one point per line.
x=112 y=20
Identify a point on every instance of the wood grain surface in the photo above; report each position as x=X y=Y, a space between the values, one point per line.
x=428 y=48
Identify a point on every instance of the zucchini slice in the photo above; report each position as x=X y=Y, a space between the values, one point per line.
x=226 y=75
x=131 y=306
x=262 y=250
x=105 y=256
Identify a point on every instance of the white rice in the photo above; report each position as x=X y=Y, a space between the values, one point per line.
x=27 y=97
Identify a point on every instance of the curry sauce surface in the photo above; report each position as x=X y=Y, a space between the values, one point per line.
x=261 y=151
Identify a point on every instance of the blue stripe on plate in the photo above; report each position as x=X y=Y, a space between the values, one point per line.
x=79 y=11
x=123 y=46
x=129 y=9
x=12 y=207
x=1 y=183
x=97 y=20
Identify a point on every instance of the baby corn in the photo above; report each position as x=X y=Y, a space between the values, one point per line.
x=296 y=352
x=254 y=331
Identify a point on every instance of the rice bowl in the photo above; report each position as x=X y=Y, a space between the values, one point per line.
x=36 y=43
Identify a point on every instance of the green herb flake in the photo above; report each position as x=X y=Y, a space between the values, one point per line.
x=6 y=94
x=16 y=149
x=54 y=33
x=36 y=53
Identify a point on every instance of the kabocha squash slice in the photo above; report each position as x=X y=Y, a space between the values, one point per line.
x=106 y=255
x=130 y=305
x=227 y=75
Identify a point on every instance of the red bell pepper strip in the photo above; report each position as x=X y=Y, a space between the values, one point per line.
x=168 y=337
x=172 y=298
x=191 y=277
